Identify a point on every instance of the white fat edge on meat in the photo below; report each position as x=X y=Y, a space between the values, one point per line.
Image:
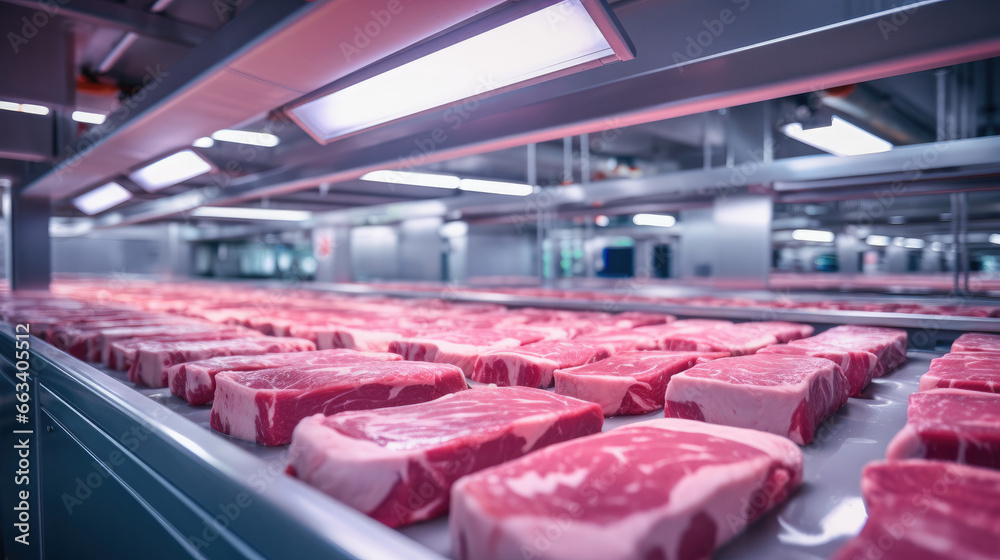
x=624 y=538
x=725 y=403
x=606 y=390
x=358 y=472
x=236 y=407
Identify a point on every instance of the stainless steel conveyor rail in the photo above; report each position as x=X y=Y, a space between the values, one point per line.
x=123 y=475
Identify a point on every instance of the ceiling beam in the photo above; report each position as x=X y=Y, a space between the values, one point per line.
x=848 y=52
x=119 y=16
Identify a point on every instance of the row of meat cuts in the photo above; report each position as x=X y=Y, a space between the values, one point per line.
x=937 y=496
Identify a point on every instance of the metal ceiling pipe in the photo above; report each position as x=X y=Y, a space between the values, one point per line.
x=123 y=44
x=876 y=109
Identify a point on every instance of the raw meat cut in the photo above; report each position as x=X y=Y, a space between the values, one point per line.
x=122 y=353
x=633 y=319
x=372 y=338
x=973 y=371
x=101 y=347
x=532 y=365
x=195 y=381
x=655 y=490
x=265 y=405
x=781 y=330
x=858 y=365
x=620 y=341
x=737 y=340
x=629 y=382
x=152 y=359
x=950 y=425
x=780 y=394
x=888 y=345
x=661 y=332
x=460 y=348
x=927 y=510
x=976 y=342
x=397 y=465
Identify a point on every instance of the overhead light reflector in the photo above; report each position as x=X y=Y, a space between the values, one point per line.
x=495 y=187
x=819 y=236
x=555 y=40
x=913 y=243
x=171 y=170
x=412 y=178
x=995 y=238
x=24 y=108
x=657 y=220
x=100 y=199
x=878 y=240
x=203 y=142
x=261 y=139
x=841 y=138
x=89 y=118
x=251 y=213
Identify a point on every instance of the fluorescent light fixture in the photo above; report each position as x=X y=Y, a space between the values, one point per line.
x=24 y=108
x=657 y=220
x=495 y=187
x=551 y=41
x=995 y=238
x=261 y=139
x=203 y=142
x=938 y=246
x=816 y=235
x=602 y=220
x=841 y=138
x=173 y=169
x=89 y=118
x=878 y=240
x=251 y=213
x=913 y=243
x=454 y=229
x=412 y=178
x=100 y=199
x=898 y=241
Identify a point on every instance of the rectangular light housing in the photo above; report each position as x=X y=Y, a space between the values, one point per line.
x=816 y=235
x=841 y=138
x=412 y=178
x=655 y=220
x=262 y=139
x=169 y=171
x=495 y=187
x=102 y=198
x=995 y=238
x=24 y=108
x=560 y=38
x=233 y=213
x=89 y=118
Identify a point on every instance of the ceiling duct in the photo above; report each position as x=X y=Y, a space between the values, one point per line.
x=876 y=110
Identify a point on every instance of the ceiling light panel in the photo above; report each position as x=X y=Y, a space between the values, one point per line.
x=171 y=170
x=549 y=42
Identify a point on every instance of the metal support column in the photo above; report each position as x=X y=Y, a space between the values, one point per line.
x=30 y=246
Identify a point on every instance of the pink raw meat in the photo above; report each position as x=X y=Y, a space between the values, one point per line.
x=950 y=425
x=153 y=359
x=858 y=365
x=973 y=371
x=620 y=340
x=781 y=330
x=367 y=338
x=927 y=510
x=195 y=381
x=99 y=347
x=123 y=352
x=629 y=382
x=784 y=395
x=976 y=342
x=889 y=345
x=655 y=490
x=532 y=365
x=397 y=465
x=737 y=340
x=633 y=319
x=460 y=348
x=266 y=405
